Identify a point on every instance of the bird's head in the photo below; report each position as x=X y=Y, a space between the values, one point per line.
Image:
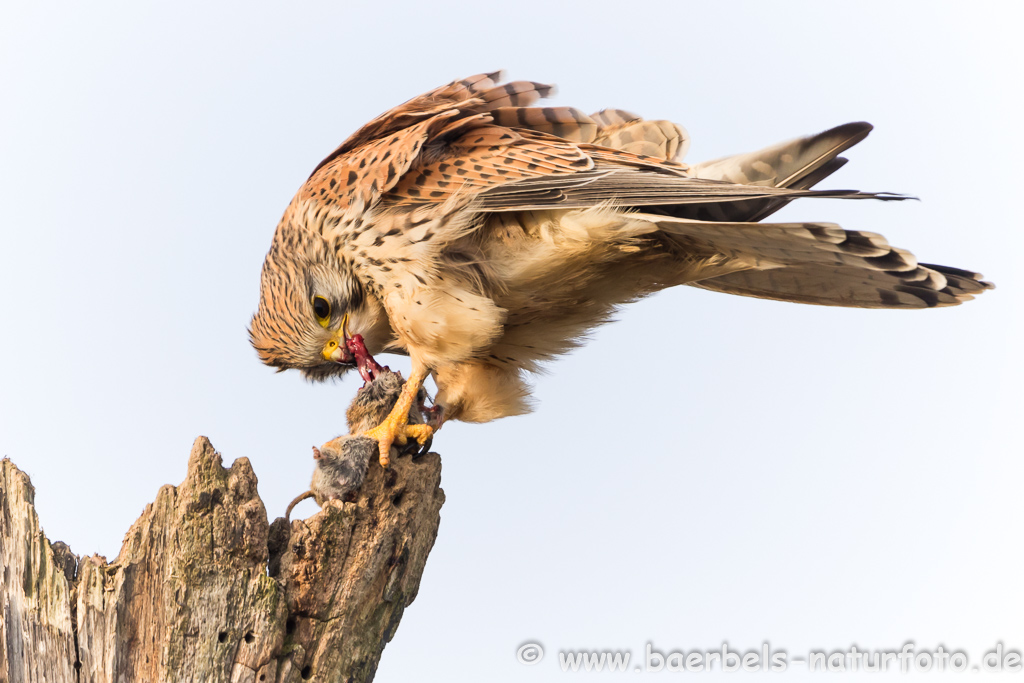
x=310 y=302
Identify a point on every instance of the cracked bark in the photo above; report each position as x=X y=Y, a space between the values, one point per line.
x=204 y=589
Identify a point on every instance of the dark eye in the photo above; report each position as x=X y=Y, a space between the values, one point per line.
x=322 y=310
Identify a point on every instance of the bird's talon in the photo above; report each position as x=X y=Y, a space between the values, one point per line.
x=422 y=438
x=386 y=434
x=392 y=433
x=395 y=429
x=422 y=433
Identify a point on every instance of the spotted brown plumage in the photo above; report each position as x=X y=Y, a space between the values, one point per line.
x=482 y=234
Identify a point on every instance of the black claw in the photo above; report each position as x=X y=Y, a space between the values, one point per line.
x=414 y=449
x=420 y=452
x=411 y=447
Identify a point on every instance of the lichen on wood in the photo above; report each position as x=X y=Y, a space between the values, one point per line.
x=35 y=597
x=204 y=589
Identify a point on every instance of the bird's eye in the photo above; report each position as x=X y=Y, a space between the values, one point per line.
x=322 y=310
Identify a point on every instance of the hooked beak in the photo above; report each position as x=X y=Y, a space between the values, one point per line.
x=336 y=350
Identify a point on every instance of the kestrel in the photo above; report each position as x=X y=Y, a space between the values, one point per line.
x=482 y=235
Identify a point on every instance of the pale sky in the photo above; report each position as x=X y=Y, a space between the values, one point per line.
x=826 y=477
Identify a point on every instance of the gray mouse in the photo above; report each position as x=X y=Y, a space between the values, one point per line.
x=341 y=463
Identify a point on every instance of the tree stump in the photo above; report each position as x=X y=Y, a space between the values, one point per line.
x=204 y=589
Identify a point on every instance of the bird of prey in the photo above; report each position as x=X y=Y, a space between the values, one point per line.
x=482 y=235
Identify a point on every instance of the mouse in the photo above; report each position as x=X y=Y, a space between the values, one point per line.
x=341 y=464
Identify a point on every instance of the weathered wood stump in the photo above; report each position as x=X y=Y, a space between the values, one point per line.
x=204 y=589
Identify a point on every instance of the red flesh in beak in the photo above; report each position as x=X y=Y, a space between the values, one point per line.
x=367 y=366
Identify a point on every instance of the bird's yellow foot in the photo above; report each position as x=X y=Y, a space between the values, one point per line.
x=395 y=429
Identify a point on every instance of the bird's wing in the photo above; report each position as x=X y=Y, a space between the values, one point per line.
x=618 y=180
x=474 y=140
x=821 y=263
x=516 y=169
x=745 y=187
x=446 y=142
x=797 y=164
x=624 y=130
x=612 y=128
x=474 y=94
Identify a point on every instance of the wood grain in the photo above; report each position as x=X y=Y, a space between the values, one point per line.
x=204 y=589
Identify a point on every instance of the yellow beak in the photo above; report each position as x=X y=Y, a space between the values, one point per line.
x=334 y=350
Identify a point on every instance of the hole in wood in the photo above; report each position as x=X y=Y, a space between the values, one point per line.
x=222 y=637
x=307 y=672
x=249 y=637
x=289 y=626
x=396 y=500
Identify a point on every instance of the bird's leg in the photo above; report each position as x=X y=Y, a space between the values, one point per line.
x=396 y=428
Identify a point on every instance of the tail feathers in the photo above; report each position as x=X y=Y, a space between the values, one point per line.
x=965 y=281
x=770 y=245
x=848 y=286
x=820 y=263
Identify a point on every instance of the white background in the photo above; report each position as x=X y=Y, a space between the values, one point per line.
x=709 y=468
